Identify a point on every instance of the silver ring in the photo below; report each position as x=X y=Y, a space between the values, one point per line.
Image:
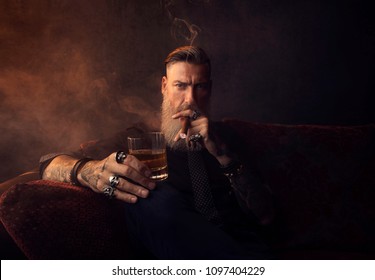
x=109 y=192
x=195 y=137
x=114 y=180
x=195 y=115
x=120 y=156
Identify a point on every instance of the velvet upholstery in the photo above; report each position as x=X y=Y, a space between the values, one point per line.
x=50 y=220
x=321 y=177
x=323 y=182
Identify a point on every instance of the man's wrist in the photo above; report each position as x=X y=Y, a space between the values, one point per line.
x=76 y=169
x=232 y=169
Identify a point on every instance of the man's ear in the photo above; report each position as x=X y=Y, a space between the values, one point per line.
x=164 y=84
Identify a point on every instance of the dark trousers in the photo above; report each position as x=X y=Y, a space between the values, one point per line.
x=167 y=225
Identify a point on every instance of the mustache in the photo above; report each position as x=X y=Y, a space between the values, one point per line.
x=186 y=106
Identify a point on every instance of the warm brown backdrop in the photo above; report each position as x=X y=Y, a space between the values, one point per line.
x=77 y=70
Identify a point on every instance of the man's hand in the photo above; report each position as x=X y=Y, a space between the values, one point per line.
x=200 y=125
x=134 y=175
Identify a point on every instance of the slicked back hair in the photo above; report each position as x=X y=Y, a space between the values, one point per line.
x=189 y=54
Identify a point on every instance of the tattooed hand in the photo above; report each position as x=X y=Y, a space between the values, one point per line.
x=134 y=175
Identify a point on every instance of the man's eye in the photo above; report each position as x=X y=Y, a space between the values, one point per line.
x=180 y=85
x=201 y=86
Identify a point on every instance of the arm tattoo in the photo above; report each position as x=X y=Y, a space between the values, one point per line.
x=91 y=173
x=59 y=171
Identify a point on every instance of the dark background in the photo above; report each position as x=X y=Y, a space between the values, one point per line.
x=71 y=71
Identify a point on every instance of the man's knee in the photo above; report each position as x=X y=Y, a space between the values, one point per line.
x=164 y=206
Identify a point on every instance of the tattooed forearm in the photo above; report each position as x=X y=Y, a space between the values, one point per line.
x=59 y=169
x=253 y=196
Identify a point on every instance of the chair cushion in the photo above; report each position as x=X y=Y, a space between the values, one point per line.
x=50 y=220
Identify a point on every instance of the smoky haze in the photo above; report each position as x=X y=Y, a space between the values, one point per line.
x=58 y=85
x=72 y=71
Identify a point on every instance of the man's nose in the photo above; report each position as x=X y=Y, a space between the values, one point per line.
x=190 y=96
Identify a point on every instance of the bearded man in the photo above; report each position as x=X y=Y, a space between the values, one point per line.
x=196 y=213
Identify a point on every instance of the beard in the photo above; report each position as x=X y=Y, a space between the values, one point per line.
x=171 y=127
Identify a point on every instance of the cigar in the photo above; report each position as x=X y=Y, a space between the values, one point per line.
x=185 y=123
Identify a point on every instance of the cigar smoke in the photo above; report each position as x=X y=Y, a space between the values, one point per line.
x=182 y=29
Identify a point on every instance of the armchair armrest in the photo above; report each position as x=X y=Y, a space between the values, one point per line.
x=22 y=178
x=54 y=220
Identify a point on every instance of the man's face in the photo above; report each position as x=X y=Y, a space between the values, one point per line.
x=186 y=86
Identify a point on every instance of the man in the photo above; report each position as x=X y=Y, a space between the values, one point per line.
x=194 y=214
